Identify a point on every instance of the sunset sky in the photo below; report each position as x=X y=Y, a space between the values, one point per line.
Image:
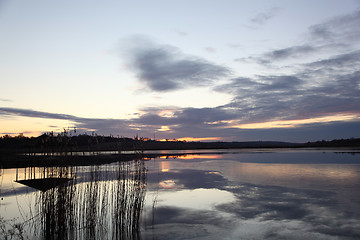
x=206 y=69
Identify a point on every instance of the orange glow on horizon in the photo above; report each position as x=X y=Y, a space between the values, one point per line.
x=189 y=157
x=295 y=123
x=194 y=139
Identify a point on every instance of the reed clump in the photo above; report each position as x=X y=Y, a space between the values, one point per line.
x=101 y=202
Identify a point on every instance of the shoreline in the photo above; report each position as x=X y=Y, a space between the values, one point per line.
x=106 y=157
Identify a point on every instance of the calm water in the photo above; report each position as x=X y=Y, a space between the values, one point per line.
x=257 y=194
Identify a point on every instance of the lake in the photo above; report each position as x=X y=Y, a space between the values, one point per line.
x=219 y=194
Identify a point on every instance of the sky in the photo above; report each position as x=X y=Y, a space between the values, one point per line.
x=196 y=70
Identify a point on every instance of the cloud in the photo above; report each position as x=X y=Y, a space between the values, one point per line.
x=4 y=100
x=190 y=116
x=306 y=94
x=169 y=222
x=312 y=211
x=264 y=17
x=187 y=120
x=255 y=211
x=84 y=124
x=165 y=68
x=263 y=98
x=339 y=29
x=333 y=37
x=219 y=122
x=323 y=80
x=326 y=84
x=195 y=122
x=324 y=77
x=190 y=179
x=279 y=82
x=343 y=62
x=285 y=53
x=35 y=114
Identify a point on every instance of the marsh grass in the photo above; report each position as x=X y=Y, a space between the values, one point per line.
x=56 y=207
x=106 y=204
x=127 y=200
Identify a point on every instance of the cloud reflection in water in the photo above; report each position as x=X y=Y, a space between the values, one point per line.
x=257 y=200
x=238 y=196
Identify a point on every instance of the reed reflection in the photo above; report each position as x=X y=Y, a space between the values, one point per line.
x=105 y=203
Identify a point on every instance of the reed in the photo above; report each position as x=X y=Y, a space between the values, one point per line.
x=105 y=204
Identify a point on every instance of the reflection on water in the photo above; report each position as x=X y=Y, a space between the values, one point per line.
x=256 y=196
x=292 y=174
x=103 y=202
x=252 y=195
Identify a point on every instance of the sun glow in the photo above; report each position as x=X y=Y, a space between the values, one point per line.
x=295 y=123
x=193 y=139
x=220 y=122
x=164 y=129
x=166 y=113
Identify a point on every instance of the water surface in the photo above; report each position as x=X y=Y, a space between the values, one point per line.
x=257 y=194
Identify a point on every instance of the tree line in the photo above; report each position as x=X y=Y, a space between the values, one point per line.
x=68 y=141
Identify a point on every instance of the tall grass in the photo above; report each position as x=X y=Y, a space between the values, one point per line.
x=105 y=203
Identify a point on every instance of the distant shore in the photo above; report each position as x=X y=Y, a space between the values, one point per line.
x=104 y=157
x=47 y=150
